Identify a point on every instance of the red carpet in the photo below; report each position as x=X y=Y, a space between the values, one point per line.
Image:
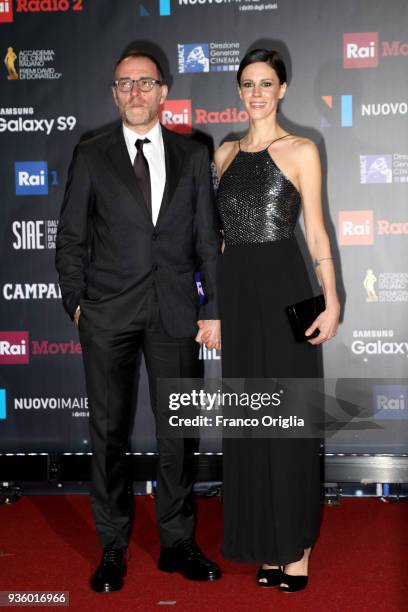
x=359 y=562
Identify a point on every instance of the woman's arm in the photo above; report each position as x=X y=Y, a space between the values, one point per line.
x=310 y=183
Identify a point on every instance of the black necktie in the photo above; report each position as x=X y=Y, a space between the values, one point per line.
x=141 y=168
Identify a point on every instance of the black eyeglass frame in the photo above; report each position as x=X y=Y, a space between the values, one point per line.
x=137 y=81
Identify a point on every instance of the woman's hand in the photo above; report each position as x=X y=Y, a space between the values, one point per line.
x=209 y=333
x=327 y=323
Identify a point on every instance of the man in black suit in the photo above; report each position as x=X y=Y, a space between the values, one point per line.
x=137 y=221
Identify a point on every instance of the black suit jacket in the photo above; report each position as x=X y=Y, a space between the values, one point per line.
x=108 y=251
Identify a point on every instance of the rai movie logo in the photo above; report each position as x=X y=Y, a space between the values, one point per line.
x=375 y=169
x=193 y=58
x=177 y=115
x=14 y=347
x=360 y=50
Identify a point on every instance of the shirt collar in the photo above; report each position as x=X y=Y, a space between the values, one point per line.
x=154 y=135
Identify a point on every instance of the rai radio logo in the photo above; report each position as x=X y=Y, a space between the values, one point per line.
x=360 y=50
x=6 y=11
x=177 y=115
x=356 y=227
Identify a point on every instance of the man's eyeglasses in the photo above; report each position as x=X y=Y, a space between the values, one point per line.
x=146 y=84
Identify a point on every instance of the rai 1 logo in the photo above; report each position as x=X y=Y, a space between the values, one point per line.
x=177 y=115
x=31 y=178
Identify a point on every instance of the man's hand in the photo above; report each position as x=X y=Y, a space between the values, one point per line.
x=209 y=333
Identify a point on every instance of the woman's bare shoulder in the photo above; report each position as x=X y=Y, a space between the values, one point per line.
x=224 y=153
x=303 y=146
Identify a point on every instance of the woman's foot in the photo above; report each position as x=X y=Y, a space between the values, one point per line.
x=269 y=575
x=295 y=575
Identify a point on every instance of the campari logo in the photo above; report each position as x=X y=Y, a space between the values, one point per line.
x=177 y=115
x=356 y=227
x=14 y=347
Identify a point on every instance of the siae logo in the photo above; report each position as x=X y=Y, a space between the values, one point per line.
x=14 y=347
x=345 y=110
x=177 y=115
x=31 y=178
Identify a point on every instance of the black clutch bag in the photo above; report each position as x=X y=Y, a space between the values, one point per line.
x=302 y=315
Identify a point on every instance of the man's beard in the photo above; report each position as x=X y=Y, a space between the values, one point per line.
x=140 y=117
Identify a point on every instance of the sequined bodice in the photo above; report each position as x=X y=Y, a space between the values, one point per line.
x=257 y=203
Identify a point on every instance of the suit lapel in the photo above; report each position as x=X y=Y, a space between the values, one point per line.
x=119 y=157
x=174 y=156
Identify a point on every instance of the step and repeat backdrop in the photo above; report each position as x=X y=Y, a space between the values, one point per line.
x=348 y=91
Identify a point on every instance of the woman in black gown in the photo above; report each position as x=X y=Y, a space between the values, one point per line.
x=271 y=486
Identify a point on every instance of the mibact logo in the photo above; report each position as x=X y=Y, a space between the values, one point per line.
x=356 y=227
x=2 y=404
x=6 y=11
x=360 y=50
x=14 y=347
x=176 y=115
x=375 y=169
x=193 y=58
x=31 y=178
x=208 y=57
x=345 y=111
x=384 y=168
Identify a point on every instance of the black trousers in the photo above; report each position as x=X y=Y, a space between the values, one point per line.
x=111 y=360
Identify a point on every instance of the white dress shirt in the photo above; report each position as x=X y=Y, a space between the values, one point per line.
x=154 y=153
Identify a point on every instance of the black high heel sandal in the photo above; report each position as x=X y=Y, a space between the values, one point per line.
x=295 y=583
x=273 y=577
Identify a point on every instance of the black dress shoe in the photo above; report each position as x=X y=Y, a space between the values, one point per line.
x=188 y=560
x=110 y=572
